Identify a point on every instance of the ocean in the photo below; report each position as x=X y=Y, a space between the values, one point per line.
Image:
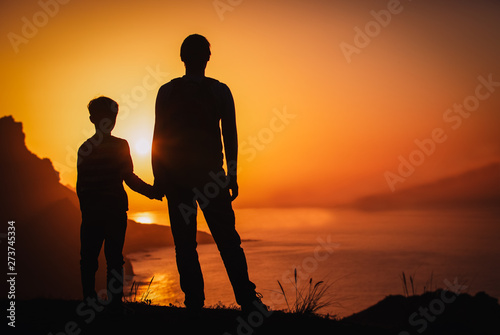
x=360 y=256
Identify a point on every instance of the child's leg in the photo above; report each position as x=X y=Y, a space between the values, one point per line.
x=116 y=226
x=91 y=238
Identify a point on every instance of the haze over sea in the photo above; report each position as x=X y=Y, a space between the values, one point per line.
x=362 y=254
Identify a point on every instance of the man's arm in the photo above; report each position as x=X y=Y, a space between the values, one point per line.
x=158 y=135
x=230 y=138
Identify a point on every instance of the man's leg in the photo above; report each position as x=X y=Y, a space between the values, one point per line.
x=116 y=227
x=182 y=210
x=91 y=239
x=220 y=218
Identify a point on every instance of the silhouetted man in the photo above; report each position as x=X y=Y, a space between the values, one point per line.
x=187 y=160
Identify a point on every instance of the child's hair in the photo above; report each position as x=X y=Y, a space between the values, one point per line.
x=103 y=107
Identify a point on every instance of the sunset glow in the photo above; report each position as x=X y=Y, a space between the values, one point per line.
x=368 y=170
x=325 y=108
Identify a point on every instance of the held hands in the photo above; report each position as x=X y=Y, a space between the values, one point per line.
x=156 y=193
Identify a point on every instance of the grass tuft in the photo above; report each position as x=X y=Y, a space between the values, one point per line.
x=132 y=297
x=310 y=299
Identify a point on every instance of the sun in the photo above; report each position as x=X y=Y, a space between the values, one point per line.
x=139 y=137
x=142 y=146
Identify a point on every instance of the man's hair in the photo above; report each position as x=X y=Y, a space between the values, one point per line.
x=103 y=107
x=195 y=49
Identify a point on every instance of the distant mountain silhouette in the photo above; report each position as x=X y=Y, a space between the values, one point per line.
x=475 y=189
x=47 y=220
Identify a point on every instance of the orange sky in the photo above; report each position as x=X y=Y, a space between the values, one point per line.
x=350 y=116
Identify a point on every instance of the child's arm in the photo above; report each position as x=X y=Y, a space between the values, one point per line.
x=139 y=186
x=133 y=181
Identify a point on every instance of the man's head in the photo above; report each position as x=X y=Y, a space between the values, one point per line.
x=103 y=111
x=195 y=51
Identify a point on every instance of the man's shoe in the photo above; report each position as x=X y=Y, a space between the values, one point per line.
x=255 y=304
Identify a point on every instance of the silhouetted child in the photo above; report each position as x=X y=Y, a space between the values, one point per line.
x=104 y=162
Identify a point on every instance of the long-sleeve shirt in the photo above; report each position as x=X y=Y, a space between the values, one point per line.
x=187 y=144
x=104 y=162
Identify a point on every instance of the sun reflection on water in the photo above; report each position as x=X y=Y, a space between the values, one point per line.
x=159 y=289
x=145 y=218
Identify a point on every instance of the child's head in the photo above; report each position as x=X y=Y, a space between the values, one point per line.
x=103 y=111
